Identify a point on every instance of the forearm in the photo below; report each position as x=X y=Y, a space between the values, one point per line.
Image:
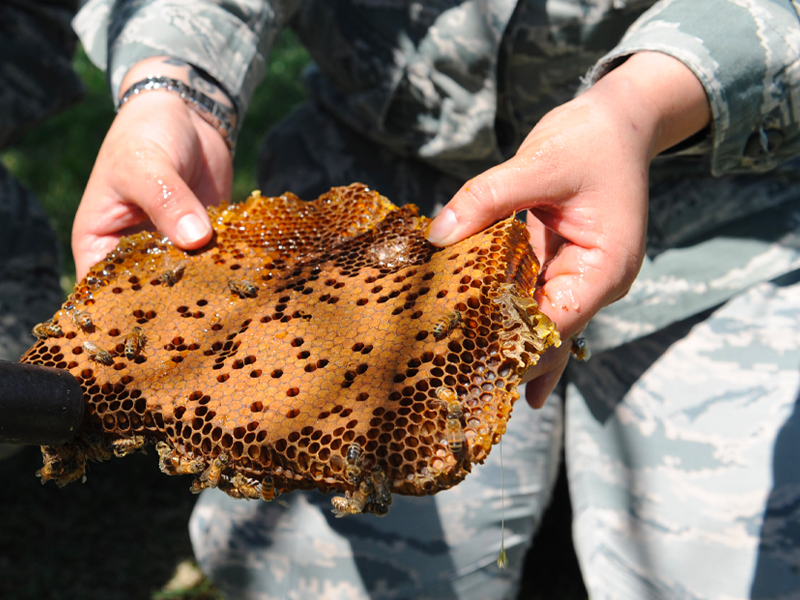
x=228 y=40
x=197 y=89
x=745 y=55
x=660 y=97
x=180 y=70
x=663 y=98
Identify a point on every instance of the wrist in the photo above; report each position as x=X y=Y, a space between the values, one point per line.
x=198 y=91
x=662 y=99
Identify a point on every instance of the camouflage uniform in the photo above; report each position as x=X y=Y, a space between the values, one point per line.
x=36 y=81
x=670 y=474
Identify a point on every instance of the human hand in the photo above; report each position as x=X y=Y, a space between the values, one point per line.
x=582 y=175
x=159 y=164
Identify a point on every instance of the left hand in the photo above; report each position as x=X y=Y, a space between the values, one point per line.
x=582 y=175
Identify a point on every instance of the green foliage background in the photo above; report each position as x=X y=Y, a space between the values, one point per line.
x=56 y=158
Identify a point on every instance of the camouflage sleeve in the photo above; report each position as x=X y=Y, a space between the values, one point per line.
x=747 y=56
x=229 y=40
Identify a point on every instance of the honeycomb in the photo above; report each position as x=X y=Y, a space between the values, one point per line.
x=310 y=345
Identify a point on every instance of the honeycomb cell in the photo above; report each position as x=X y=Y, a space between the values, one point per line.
x=345 y=324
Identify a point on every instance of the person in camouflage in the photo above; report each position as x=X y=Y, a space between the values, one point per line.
x=36 y=81
x=681 y=432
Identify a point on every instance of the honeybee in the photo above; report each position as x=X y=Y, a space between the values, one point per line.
x=170 y=463
x=267 y=489
x=352 y=504
x=63 y=469
x=269 y=493
x=134 y=343
x=242 y=288
x=382 y=497
x=454 y=434
x=352 y=464
x=97 y=354
x=210 y=477
x=580 y=349
x=379 y=510
x=96 y=447
x=47 y=329
x=446 y=324
x=125 y=446
x=173 y=273
x=82 y=320
x=242 y=487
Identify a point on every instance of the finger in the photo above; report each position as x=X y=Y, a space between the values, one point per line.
x=545 y=242
x=483 y=200
x=579 y=281
x=109 y=211
x=538 y=390
x=156 y=187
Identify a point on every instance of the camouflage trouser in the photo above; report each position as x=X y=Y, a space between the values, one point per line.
x=682 y=453
x=441 y=547
x=29 y=269
x=683 y=456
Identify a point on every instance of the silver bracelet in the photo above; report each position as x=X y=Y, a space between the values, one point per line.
x=211 y=111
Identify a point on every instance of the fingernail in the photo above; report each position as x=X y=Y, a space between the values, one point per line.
x=191 y=229
x=441 y=227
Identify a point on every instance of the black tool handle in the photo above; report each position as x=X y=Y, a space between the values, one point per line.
x=38 y=405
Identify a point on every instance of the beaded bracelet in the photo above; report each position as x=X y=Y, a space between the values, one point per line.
x=215 y=114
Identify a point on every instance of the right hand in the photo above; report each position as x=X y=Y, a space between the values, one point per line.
x=159 y=165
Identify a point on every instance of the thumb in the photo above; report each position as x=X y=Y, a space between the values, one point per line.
x=481 y=201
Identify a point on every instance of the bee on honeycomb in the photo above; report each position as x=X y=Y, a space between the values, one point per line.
x=134 y=343
x=353 y=460
x=454 y=433
x=47 y=329
x=241 y=487
x=446 y=324
x=125 y=446
x=269 y=493
x=172 y=463
x=210 y=477
x=242 y=288
x=382 y=496
x=352 y=504
x=82 y=320
x=173 y=273
x=97 y=354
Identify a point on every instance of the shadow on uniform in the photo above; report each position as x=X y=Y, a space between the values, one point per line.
x=551 y=570
x=609 y=377
x=377 y=571
x=781 y=525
